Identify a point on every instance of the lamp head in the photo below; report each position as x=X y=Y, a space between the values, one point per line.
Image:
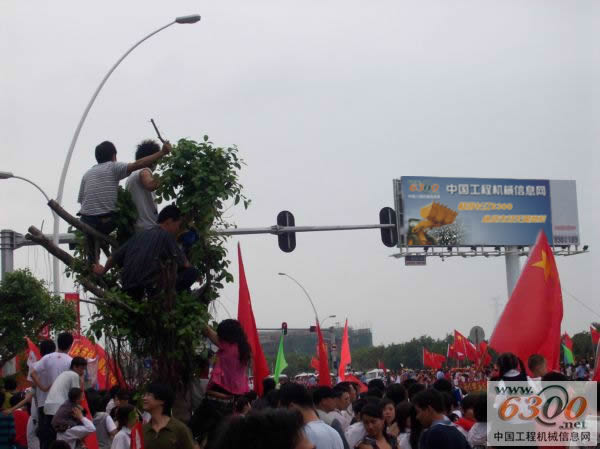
x=6 y=175
x=282 y=274
x=188 y=19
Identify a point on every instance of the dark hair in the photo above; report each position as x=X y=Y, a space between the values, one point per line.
x=480 y=409
x=534 y=361
x=75 y=394
x=372 y=409
x=78 y=361
x=416 y=428
x=64 y=341
x=163 y=393
x=267 y=429
x=443 y=385
x=415 y=389
x=406 y=383
x=403 y=412
x=376 y=383
x=273 y=398
x=268 y=384
x=449 y=402
x=105 y=152
x=47 y=347
x=2 y=396
x=554 y=376
x=321 y=393
x=293 y=393
x=16 y=398
x=123 y=413
x=507 y=362
x=396 y=393
x=59 y=444
x=114 y=391
x=342 y=387
x=146 y=148
x=429 y=398
x=95 y=401
x=10 y=383
x=374 y=392
x=171 y=211
x=123 y=395
x=358 y=405
x=241 y=403
x=469 y=401
x=231 y=331
x=252 y=396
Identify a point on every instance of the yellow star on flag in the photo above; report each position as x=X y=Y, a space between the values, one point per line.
x=545 y=265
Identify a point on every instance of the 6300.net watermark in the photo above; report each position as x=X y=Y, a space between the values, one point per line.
x=532 y=413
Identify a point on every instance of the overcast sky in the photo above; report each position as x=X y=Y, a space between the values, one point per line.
x=328 y=103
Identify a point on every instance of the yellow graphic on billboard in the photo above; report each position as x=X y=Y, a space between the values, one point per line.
x=434 y=215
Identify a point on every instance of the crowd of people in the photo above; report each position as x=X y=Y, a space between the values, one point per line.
x=405 y=410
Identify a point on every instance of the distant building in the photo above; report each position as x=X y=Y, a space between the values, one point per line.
x=305 y=342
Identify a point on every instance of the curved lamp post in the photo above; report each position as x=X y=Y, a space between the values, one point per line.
x=55 y=267
x=305 y=292
x=9 y=175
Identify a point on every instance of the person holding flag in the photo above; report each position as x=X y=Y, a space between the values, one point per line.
x=228 y=379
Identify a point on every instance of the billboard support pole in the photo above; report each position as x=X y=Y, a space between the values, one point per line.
x=513 y=268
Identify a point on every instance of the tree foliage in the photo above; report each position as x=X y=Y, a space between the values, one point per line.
x=26 y=307
x=202 y=180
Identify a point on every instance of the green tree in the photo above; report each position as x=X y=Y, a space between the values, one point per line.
x=26 y=307
x=203 y=181
x=582 y=346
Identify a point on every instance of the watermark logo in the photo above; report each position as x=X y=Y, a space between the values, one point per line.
x=532 y=413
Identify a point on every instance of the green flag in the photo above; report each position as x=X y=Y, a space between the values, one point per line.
x=280 y=363
x=568 y=355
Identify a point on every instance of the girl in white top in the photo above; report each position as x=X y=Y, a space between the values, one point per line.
x=126 y=419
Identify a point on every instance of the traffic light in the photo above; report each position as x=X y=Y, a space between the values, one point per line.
x=287 y=240
x=389 y=236
x=284 y=328
x=313 y=329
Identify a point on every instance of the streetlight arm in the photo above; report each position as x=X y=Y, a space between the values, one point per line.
x=307 y=295
x=63 y=175
x=34 y=185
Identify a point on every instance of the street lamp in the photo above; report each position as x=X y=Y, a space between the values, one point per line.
x=55 y=267
x=325 y=319
x=9 y=175
x=306 y=293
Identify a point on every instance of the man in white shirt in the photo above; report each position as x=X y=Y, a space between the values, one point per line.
x=295 y=396
x=44 y=373
x=324 y=400
x=342 y=402
x=59 y=392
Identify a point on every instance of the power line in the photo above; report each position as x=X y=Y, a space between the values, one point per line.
x=583 y=304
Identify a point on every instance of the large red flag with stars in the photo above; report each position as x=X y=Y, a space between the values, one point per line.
x=595 y=335
x=530 y=322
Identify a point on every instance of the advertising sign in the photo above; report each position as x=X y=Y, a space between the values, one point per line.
x=542 y=414
x=485 y=212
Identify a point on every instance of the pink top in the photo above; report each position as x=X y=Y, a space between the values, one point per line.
x=228 y=372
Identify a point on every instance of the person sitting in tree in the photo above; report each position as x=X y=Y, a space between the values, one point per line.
x=141 y=257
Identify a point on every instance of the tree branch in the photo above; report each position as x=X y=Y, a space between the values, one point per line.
x=85 y=228
x=95 y=302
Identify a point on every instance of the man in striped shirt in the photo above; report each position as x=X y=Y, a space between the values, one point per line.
x=100 y=185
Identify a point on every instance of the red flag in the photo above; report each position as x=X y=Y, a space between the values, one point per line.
x=362 y=388
x=324 y=375
x=381 y=365
x=246 y=319
x=438 y=360
x=345 y=357
x=460 y=350
x=451 y=352
x=597 y=364
x=314 y=363
x=595 y=335
x=428 y=360
x=91 y=441
x=137 y=436
x=484 y=357
x=567 y=341
x=530 y=322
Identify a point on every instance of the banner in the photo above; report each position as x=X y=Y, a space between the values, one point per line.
x=485 y=212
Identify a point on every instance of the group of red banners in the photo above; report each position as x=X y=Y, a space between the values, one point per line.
x=461 y=349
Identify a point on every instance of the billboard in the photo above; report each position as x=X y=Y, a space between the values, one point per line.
x=485 y=212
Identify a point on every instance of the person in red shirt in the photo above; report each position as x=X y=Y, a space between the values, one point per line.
x=20 y=416
x=468 y=412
